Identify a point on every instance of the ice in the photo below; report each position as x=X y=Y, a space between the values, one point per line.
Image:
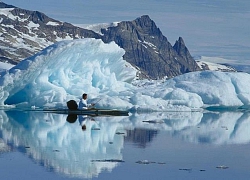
x=67 y=69
x=215 y=88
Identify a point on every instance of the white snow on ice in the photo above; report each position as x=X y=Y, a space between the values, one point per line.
x=67 y=69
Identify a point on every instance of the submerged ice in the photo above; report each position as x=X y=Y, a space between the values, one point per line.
x=68 y=69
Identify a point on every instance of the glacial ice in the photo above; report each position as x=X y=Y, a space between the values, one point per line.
x=67 y=69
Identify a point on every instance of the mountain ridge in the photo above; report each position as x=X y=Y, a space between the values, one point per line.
x=149 y=43
x=24 y=33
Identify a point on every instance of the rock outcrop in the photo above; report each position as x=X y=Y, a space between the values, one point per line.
x=147 y=48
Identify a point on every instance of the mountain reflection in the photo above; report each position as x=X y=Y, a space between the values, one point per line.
x=59 y=143
x=140 y=137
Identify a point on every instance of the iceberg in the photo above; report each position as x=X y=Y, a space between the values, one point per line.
x=216 y=88
x=67 y=69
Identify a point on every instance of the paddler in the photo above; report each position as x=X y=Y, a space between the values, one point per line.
x=83 y=102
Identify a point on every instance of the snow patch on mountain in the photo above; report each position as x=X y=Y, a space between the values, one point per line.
x=214 y=64
x=97 y=27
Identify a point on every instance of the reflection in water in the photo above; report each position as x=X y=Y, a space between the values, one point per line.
x=140 y=136
x=62 y=146
x=58 y=142
x=219 y=128
x=4 y=147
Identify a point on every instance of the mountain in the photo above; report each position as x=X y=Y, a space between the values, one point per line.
x=148 y=49
x=24 y=33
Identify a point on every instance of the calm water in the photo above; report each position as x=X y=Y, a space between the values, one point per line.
x=183 y=145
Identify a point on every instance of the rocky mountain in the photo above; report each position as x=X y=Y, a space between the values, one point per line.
x=148 y=49
x=24 y=33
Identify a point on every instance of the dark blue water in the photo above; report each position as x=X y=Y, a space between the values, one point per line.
x=173 y=145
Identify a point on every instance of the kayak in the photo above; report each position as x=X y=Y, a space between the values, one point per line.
x=94 y=112
x=73 y=110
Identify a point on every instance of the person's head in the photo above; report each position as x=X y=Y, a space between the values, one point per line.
x=84 y=127
x=84 y=96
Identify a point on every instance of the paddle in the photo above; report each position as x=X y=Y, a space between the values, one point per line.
x=95 y=102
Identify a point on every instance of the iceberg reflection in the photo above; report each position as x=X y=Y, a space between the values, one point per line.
x=219 y=128
x=62 y=146
x=59 y=143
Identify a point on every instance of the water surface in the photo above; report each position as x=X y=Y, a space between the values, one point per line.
x=170 y=145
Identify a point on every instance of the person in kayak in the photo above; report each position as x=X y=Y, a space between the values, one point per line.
x=83 y=102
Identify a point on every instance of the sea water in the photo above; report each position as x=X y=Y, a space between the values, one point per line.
x=163 y=145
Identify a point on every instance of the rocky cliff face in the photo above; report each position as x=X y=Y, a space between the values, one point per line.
x=148 y=49
x=24 y=33
x=186 y=59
